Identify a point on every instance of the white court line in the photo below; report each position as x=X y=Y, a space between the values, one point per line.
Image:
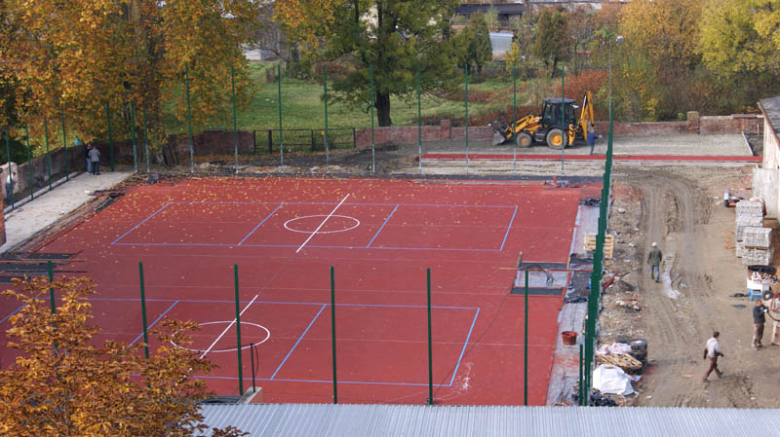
x=228 y=327
x=322 y=224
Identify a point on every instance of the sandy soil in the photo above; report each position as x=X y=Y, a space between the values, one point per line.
x=682 y=210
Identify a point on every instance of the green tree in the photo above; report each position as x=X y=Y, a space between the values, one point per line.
x=394 y=37
x=491 y=19
x=480 y=48
x=552 y=42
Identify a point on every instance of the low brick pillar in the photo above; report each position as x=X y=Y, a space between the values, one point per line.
x=694 y=124
x=446 y=129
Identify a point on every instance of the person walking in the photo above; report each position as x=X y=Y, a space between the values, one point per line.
x=758 y=324
x=9 y=186
x=591 y=137
x=87 y=149
x=654 y=258
x=712 y=351
x=94 y=157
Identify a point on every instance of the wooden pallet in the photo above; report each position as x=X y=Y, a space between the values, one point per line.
x=609 y=244
x=624 y=361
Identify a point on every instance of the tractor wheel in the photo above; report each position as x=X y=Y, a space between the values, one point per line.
x=524 y=140
x=555 y=139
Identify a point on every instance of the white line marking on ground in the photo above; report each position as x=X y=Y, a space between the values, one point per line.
x=322 y=224
x=228 y=327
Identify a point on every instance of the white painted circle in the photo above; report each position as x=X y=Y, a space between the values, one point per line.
x=221 y=351
x=289 y=228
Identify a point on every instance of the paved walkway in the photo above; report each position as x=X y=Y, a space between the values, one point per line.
x=28 y=219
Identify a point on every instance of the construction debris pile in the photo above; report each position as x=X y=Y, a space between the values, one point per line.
x=754 y=241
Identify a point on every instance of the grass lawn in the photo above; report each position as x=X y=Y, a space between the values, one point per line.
x=302 y=106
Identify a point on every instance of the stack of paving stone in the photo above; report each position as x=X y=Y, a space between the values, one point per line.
x=754 y=241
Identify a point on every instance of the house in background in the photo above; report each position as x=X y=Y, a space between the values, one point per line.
x=765 y=179
x=505 y=11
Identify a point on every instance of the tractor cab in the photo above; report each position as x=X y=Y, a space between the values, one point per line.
x=551 y=113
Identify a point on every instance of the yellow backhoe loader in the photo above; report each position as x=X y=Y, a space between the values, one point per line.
x=548 y=128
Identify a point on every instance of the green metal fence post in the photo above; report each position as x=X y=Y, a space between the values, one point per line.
x=235 y=124
x=110 y=137
x=419 y=123
x=238 y=334
x=146 y=139
x=333 y=331
x=132 y=131
x=48 y=156
x=466 y=75
x=525 y=345
x=189 y=118
x=29 y=161
x=143 y=308
x=10 y=172
x=371 y=108
x=325 y=90
x=281 y=136
x=514 y=117
x=581 y=381
x=563 y=119
x=65 y=147
x=430 y=344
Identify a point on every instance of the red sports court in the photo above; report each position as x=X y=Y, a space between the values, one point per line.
x=380 y=236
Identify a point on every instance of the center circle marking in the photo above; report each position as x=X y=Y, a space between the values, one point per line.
x=221 y=351
x=288 y=224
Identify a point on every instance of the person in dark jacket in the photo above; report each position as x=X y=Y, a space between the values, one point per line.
x=758 y=324
x=654 y=258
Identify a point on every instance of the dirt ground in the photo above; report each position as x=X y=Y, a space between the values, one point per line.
x=683 y=211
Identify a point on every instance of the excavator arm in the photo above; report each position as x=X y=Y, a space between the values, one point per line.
x=586 y=114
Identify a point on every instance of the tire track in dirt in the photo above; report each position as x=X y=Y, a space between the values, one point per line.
x=673 y=210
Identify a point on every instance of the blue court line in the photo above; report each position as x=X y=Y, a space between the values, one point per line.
x=324 y=381
x=14 y=312
x=462 y=352
x=299 y=341
x=310 y=245
x=186 y=202
x=261 y=223
x=110 y=299
x=139 y=224
x=508 y=228
x=155 y=322
x=382 y=227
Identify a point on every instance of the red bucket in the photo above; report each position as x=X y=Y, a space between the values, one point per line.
x=569 y=338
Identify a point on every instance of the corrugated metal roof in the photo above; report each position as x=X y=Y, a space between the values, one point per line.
x=771 y=108
x=304 y=420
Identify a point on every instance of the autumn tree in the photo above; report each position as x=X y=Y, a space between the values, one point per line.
x=659 y=56
x=62 y=383
x=552 y=42
x=391 y=36
x=77 y=56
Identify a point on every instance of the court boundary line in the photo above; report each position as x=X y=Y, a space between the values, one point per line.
x=13 y=312
x=383 y=226
x=395 y=206
x=297 y=342
x=311 y=323
x=260 y=224
x=323 y=223
x=155 y=322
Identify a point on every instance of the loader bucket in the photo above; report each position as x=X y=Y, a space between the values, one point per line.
x=498 y=138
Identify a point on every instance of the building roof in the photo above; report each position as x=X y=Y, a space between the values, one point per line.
x=771 y=109
x=323 y=420
x=501 y=8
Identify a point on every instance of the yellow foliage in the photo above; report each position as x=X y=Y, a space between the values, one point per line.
x=64 y=384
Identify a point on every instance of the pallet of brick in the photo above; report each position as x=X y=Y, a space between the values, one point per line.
x=743 y=222
x=757 y=238
x=739 y=249
x=757 y=257
x=750 y=208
